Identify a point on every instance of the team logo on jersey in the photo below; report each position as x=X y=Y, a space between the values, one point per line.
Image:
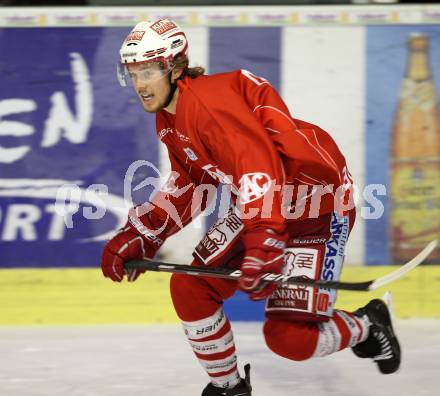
x=135 y=35
x=163 y=25
x=191 y=155
x=253 y=186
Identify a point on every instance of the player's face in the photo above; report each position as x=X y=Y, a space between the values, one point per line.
x=151 y=84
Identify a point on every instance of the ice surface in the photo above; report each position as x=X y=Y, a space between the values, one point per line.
x=156 y=360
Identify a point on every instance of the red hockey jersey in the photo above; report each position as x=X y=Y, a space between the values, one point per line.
x=234 y=128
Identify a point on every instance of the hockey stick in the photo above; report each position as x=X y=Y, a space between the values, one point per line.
x=228 y=273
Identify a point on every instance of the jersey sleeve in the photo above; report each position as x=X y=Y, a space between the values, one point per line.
x=177 y=202
x=244 y=154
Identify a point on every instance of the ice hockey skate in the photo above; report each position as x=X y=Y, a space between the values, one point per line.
x=382 y=344
x=242 y=389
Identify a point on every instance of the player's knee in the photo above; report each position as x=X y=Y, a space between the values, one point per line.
x=180 y=288
x=194 y=298
x=176 y=283
x=291 y=340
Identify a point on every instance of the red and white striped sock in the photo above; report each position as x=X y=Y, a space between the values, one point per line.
x=343 y=330
x=213 y=343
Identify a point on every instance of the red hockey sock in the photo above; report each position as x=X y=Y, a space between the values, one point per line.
x=341 y=331
x=303 y=340
x=198 y=303
x=213 y=343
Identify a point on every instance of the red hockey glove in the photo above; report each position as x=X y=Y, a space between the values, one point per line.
x=129 y=244
x=264 y=253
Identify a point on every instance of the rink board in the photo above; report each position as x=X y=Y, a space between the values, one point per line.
x=66 y=119
x=83 y=296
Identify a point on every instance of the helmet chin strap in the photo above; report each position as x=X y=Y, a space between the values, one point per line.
x=173 y=87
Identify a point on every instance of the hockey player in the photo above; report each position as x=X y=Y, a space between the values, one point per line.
x=292 y=211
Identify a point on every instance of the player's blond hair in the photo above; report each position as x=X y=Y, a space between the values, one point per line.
x=181 y=62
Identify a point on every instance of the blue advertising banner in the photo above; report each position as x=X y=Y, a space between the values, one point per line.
x=65 y=120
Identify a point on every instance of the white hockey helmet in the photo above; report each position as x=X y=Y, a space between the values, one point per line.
x=152 y=41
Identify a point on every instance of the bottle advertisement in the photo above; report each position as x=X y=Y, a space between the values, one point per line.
x=403 y=132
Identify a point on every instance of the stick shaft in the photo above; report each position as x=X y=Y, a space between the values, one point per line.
x=227 y=273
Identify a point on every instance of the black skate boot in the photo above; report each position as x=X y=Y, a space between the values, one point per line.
x=381 y=345
x=242 y=389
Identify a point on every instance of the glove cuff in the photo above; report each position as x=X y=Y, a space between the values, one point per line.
x=266 y=239
x=142 y=220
